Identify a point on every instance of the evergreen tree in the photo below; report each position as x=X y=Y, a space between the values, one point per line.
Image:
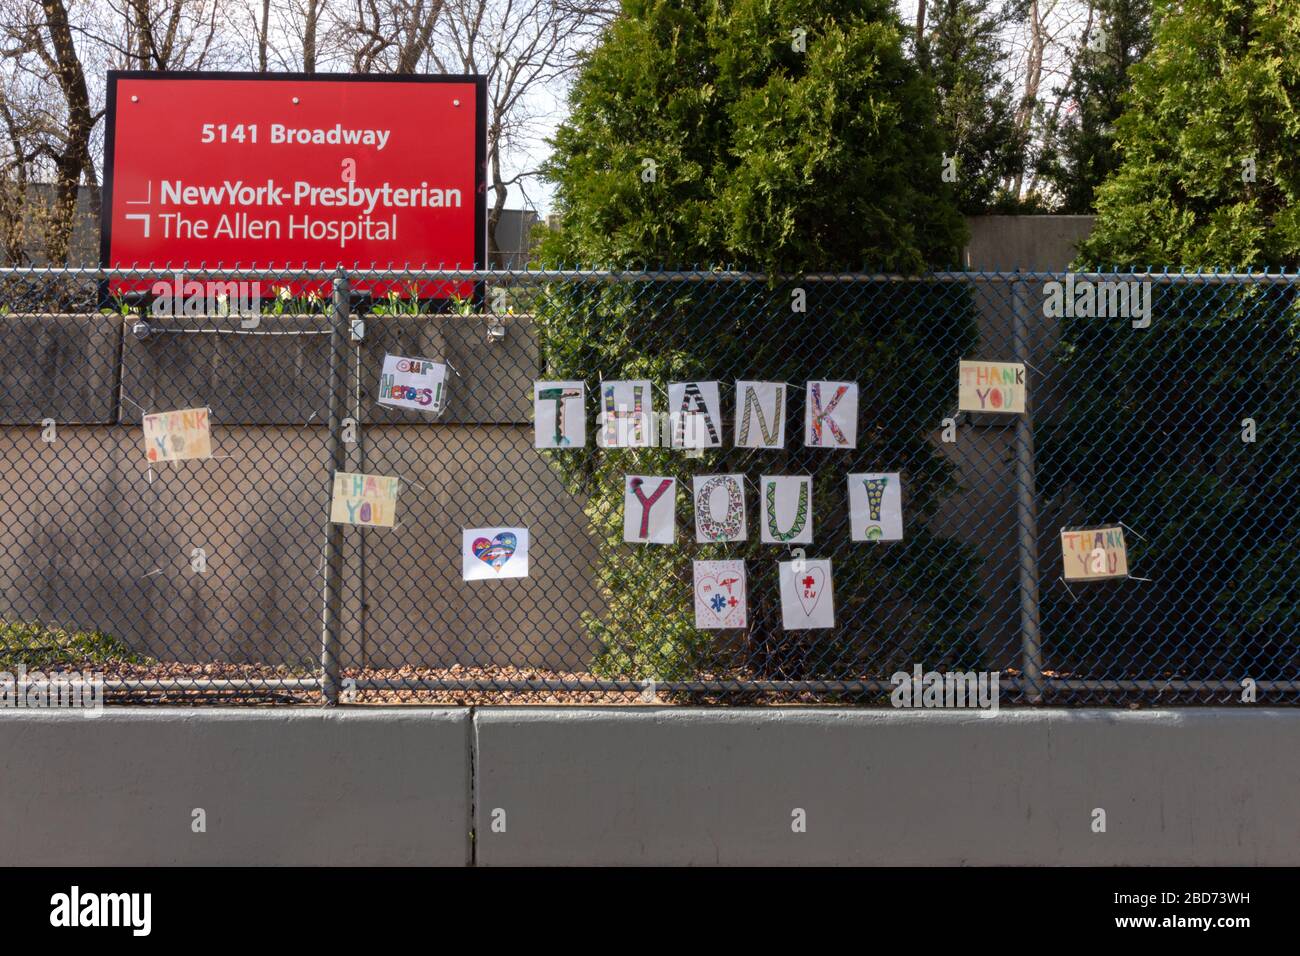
x=963 y=54
x=781 y=133
x=784 y=136
x=1209 y=177
x=1081 y=149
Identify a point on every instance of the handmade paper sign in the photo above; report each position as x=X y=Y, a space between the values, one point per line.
x=787 y=509
x=806 y=598
x=991 y=387
x=719 y=508
x=627 y=414
x=649 y=510
x=412 y=383
x=364 y=499
x=488 y=554
x=175 y=436
x=1094 y=554
x=559 y=415
x=760 y=414
x=720 y=595
x=831 y=415
x=876 y=507
x=696 y=413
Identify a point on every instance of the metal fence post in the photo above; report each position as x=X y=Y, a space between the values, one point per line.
x=332 y=593
x=1031 y=651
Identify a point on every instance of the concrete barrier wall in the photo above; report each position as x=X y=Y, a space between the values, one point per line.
x=650 y=785
x=289 y=787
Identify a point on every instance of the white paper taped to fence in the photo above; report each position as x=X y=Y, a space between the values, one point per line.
x=760 y=414
x=786 y=505
x=807 y=600
x=559 y=415
x=489 y=554
x=176 y=436
x=695 y=413
x=719 y=508
x=414 y=383
x=720 y=601
x=627 y=414
x=649 y=509
x=831 y=415
x=876 y=507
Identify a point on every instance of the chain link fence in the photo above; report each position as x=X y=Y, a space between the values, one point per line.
x=1158 y=407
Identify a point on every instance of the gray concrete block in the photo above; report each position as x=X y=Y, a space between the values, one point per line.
x=692 y=786
x=278 y=375
x=96 y=544
x=62 y=367
x=1007 y=243
x=419 y=610
x=290 y=787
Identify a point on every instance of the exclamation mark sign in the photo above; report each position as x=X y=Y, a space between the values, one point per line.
x=875 y=494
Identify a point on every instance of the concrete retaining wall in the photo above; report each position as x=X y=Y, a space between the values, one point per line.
x=101 y=541
x=651 y=785
x=687 y=786
x=290 y=787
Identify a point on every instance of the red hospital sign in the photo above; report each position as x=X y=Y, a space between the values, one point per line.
x=294 y=171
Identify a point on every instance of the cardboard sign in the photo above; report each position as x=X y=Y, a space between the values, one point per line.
x=559 y=415
x=991 y=387
x=489 y=554
x=364 y=499
x=1094 y=554
x=720 y=595
x=806 y=598
x=412 y=383
x=178 y=435
x=876 y=507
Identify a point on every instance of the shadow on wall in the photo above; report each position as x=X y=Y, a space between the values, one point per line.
x=984 y=451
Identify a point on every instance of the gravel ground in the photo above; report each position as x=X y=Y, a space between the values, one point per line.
x=268 y=689
x=272 y=693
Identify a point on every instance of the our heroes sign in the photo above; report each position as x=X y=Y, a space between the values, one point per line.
x=293 y=171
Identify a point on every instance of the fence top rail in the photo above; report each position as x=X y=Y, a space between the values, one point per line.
x=618 y=276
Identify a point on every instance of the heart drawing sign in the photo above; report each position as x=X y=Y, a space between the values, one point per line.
x=720 y=595
x=497 y=551
x=806 y=596
x=488 y=554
